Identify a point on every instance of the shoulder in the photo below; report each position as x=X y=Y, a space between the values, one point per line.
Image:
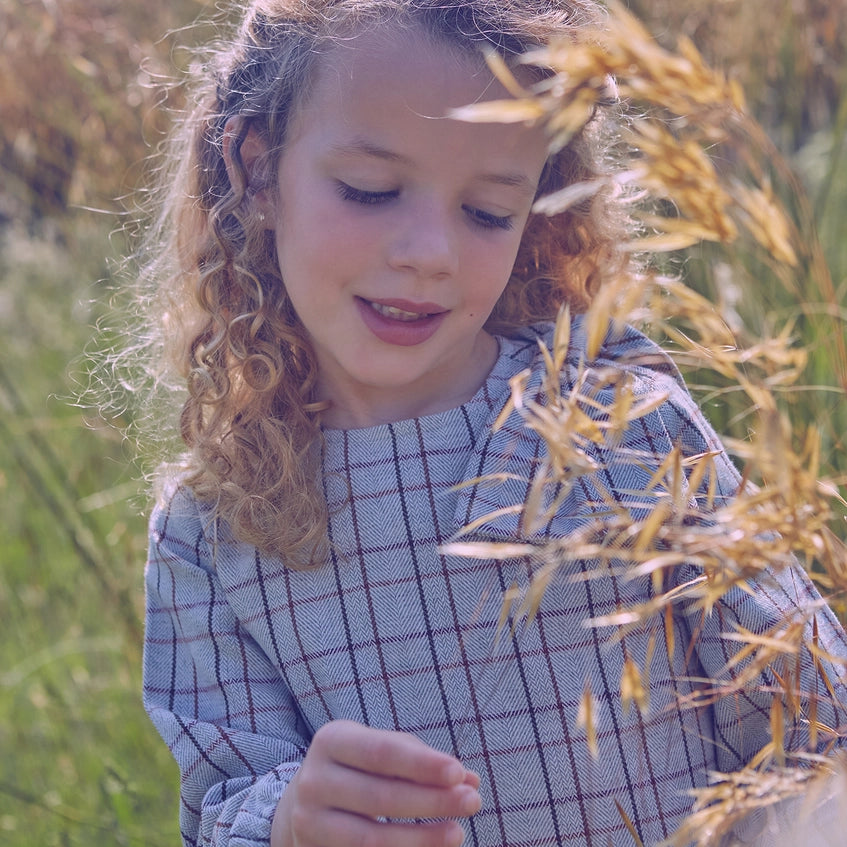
x=621 y=357
x=186 y=534
x=621 y=347
x=604 y=416
x=602 y=366
x=181 y=525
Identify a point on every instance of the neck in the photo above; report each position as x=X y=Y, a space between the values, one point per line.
x=362 y=408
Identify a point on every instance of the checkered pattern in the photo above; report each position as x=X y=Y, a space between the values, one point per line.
x=245 y=659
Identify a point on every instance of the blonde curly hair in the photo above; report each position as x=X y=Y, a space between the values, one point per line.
x=223 y=320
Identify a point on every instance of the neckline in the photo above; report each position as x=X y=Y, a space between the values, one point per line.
x=506 y=365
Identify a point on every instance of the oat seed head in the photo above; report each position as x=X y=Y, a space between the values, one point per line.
x=696 y=166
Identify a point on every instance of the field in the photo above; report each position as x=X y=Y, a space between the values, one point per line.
x=81 y=764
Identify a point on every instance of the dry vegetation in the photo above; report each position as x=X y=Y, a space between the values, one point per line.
x=83 y=98
x=687 y=117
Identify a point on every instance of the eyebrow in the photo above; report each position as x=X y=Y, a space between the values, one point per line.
x=363 y=147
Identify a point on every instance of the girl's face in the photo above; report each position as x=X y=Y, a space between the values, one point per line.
x=397 y=227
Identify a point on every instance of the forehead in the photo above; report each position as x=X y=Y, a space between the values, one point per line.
x=407 y=54
x=393 y=62
x=402 y=82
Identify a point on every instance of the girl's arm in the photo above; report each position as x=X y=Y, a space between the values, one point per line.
x=250 y=770
x=777 y=600
x=768 y=606
x=213 y=695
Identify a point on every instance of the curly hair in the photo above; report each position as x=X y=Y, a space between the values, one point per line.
x=226 y=324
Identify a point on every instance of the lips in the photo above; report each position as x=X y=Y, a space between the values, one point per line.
x=401 y=322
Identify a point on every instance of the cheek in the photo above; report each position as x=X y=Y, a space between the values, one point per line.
x=484 y=290
x=336 y=234
x=493 y=266
x=319 y=236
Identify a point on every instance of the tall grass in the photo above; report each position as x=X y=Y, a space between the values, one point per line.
x=792 y=65
x=81 y=108
x=81 y=764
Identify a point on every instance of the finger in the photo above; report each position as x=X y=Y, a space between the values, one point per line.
x=338 y=829
x=378 y=796
x=387 y=753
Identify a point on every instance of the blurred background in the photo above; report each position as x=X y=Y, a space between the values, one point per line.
x=85 y=95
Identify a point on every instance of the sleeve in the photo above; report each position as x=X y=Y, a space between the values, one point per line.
x=779 y=603
x=778 y=606
x=214 y=696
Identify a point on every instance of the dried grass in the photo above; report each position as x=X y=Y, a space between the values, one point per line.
x=684 y=115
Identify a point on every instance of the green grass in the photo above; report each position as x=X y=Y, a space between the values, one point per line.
x=809 y=304
x=81 y=764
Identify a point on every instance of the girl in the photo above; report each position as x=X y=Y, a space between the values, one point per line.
x=355 y=279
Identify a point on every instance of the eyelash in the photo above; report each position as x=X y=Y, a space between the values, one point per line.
x=365 y=198
x=481 y=218
x=488 y=221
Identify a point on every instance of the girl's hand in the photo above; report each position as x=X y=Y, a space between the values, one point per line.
x=354 y=775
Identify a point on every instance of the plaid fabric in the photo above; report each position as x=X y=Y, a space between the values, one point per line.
x=245 y=659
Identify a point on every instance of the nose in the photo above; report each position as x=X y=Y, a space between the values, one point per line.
x=425 y=240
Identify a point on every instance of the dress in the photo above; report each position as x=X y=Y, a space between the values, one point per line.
x=245 y=659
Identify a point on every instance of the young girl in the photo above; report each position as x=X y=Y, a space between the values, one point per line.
x=352 y=278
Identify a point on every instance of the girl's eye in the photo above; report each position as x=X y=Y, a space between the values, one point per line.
x=486 y=220
x=481 y=218
x=365 y=198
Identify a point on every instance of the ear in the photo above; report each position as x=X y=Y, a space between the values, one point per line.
x=244 y=153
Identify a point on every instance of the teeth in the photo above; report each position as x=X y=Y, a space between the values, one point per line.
x=397 y=314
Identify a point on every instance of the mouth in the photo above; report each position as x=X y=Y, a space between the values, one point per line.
x=413 y=312
x=402 y=323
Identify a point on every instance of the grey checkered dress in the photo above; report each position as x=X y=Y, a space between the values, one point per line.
x=245 y=659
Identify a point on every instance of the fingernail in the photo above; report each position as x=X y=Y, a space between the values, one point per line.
x=472 y=779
